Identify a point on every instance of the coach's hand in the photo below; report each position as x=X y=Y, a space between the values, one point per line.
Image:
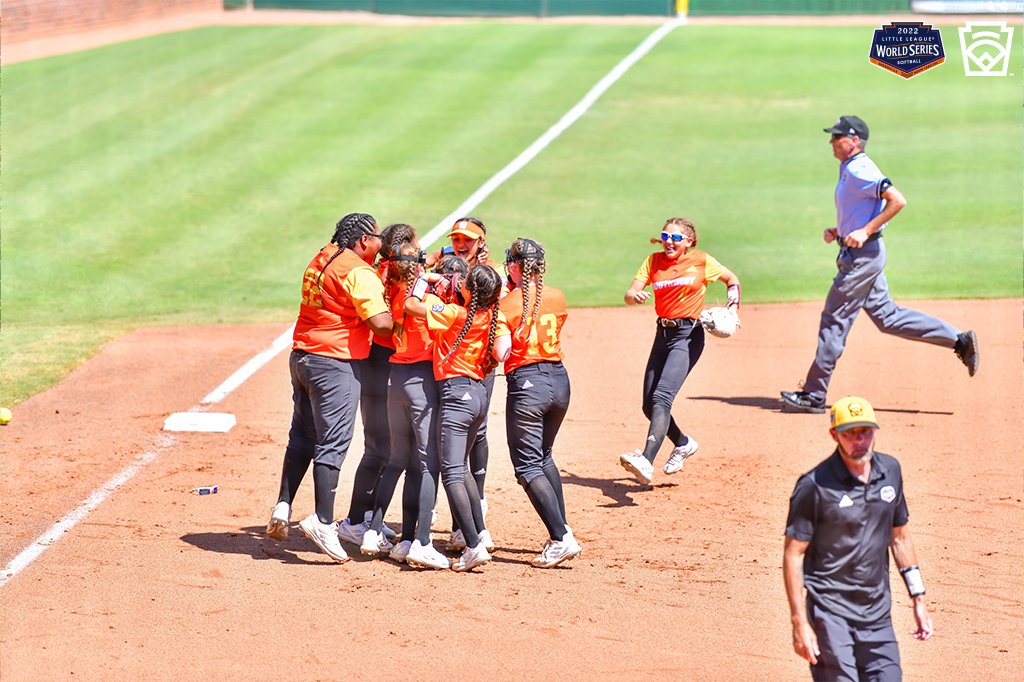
x=805 y=642
x=924 y=620
x=830 y=235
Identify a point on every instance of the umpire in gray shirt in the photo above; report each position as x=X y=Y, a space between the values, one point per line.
x=844 y=517
x=865 y=202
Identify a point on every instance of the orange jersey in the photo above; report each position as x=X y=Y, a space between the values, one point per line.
x=679 y=285
x=445 y=322
x=539 y=341
x=412 y=340
x=335 y=303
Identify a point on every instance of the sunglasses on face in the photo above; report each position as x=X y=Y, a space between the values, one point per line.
x=672 y=236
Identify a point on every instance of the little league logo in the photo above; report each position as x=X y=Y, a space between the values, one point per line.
x=986 y=47
x=907 y=48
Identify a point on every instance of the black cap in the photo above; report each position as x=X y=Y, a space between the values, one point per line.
x=849 y=125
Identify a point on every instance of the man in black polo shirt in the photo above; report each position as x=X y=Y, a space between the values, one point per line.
x=844 y=516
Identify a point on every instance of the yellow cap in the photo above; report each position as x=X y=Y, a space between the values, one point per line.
x=851 y=412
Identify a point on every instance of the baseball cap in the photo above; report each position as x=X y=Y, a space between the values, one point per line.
x=467 y=228
x=849 y=125
x=851 y=412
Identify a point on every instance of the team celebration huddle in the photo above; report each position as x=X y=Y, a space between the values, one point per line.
x=416 y=338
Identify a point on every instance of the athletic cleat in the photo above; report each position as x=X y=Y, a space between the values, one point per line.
x=400 y=551
x=374 y=543
x=353 y=532
x=800 y=401
x=557 y=551
x=679 y=454
x=277 y=527
x=425 y=556
x=325 y=536
x=389 y=534
x=456 y=541
x=966 y=349
x=636 y=464
x=486 y=541
x=471 y=558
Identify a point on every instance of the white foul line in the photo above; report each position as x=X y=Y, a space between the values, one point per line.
x=570 y=117
x=164 y=442
x=40 y=545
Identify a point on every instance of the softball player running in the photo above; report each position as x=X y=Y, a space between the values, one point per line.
x=342 y=301
x=538 y=393
x=468 y=342
x=679 y=276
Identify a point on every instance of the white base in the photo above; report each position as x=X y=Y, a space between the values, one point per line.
x=207 y=422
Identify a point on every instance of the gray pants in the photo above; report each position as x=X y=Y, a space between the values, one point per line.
x=860 y=284
x=851 y=652
x=325 y=397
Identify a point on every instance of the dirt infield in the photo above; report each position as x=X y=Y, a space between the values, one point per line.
x=678 y=580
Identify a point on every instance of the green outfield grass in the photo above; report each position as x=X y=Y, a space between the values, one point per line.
x=189 y=177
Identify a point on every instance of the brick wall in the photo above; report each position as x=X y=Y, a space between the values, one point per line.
x=22 y=20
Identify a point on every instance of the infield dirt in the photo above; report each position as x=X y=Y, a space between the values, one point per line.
x=678 y=580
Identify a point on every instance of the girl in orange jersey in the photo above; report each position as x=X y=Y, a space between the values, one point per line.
x=679 y=275
x=412 y=407
x=538 y=393
x=468 y=342
x=373 y=410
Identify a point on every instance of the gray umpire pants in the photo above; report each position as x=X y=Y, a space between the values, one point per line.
x=860 y=283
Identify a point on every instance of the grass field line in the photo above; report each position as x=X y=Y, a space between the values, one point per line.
x=552 y=133
x=25 y=558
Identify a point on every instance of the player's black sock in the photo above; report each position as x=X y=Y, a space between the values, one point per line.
x=555 y=479
x=660 y=418
x=459 y=501
x=544 y=500
x=292 y=472
x=427 y=501
x=325 y=484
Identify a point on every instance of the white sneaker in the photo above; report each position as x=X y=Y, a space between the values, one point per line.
x=277 y=527
x=389 y=534
x=352 y=532
x=325 y=535
x=557 y=551
x=456 y=541
x=679 y=454
x=636 y=464
x=486 y=541
x=375 y=543
x=471 y=558
x=425 y=556
x=400 y=551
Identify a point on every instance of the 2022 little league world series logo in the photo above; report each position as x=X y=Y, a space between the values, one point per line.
x=907 y=49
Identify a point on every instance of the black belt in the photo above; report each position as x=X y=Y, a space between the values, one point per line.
x=674 y=322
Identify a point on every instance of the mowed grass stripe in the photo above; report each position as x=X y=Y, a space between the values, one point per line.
x=699 y=129
x=235 y=181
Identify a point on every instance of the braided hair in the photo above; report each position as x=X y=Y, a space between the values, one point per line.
x=347 y=232
x=456 y=269
x=393 y=236
x=484 y=286
x=530 y=256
